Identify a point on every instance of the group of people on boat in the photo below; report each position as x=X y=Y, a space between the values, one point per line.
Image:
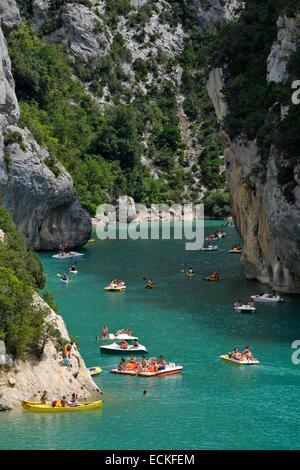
x=64 y=402
x=215 y=276
x=216 y=235
x=125 y=345
x=236 y=247
x=152 y=365
x=239 y=303
x=245 y=355
x=116 y=283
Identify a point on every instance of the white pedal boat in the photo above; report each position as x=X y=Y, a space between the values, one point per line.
x=267 y=298
x=71 y=254
x=168 y=370
x=245 y=309
x=210 y=248
x=115 y=348
x=226 y=358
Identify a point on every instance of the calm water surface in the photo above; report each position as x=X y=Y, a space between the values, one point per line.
x=213 y=405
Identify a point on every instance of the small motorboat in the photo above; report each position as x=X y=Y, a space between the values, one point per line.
x=210 y=248
x=94 y=370
x=63 y=255
x=115 y=348
x=226 y=358
x=267 y=298
x=48 y=408
x=170 y=369
x=115 y=288
x=245 y=308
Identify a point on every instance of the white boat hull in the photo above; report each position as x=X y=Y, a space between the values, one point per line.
x=116 y=349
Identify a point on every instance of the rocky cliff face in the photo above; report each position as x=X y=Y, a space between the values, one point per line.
x=44 y=206
x=26 y=380
x=268 y=223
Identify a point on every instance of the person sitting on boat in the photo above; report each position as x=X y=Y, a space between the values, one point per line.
x=121 y=283
x=152 y=367
x=238 y=304
x=44 y=397
x=133 y=359
x=124 y=344
x=73 y=401
x=135 y=344
x=161 y=363
x=64 y=277
x=104 y=332
x=133 y=364
x=251 y=302
x=247 y=354
x=122 y=364
x=215 y=276
x=64 y=402
x=143 y=363
x=235 y=354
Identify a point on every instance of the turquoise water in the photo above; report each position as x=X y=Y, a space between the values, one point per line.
x=212 y=405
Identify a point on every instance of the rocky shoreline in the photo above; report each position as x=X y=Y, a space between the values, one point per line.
x=26 y=380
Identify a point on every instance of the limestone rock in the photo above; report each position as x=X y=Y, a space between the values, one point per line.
x=282 y=49
x=9 y=15
x=43 y=206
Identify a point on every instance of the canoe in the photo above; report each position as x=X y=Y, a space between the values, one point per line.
x=245 y=309
x=210 y=248
x=115 y=348
x=114 y=289
x=226 y=358
x=159 y=373
x=72 y=254
x=95 y=370
x=38 y=407
x=267 y=298
x=209 y=278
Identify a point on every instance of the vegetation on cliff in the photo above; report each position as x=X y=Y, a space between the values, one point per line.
x=22 y=324
x=127 y=137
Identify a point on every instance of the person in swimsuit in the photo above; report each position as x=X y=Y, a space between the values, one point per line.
x=104 y=332
x=161 y=363
x=122 y=364
x=44 y=397
x=135 y=344
x=124 y=344
x=64 y=402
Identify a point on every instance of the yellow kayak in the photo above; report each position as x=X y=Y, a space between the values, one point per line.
x=91 y=240
x=212 y=279
x=235 y=251
x=40 y=408
x=190 y=274
x=95 y=370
